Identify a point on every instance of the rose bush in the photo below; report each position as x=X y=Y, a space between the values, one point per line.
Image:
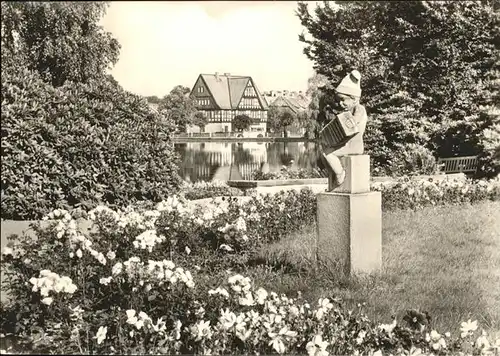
x=124 y=287
x=412 y=193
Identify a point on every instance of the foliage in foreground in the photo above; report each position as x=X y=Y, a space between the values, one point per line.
x=80 y=145
x=122 y=288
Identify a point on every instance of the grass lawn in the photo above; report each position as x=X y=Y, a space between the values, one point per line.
x=444 y=260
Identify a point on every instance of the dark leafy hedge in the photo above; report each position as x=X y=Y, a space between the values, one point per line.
x=78 y=146
x=287 y=173
x=202 y=190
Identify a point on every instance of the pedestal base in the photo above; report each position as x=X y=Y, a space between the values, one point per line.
x=357 y=179
x=350 y=231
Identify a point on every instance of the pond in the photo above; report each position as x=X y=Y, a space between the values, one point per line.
x=204 y=161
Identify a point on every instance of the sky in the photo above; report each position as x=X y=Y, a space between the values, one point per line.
x=169 y=43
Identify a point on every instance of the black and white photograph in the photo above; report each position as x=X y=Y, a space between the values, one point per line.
x=312 y=178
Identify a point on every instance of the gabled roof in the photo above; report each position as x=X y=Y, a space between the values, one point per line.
x=227 y=90
x=262 y=101
x=237 y=87
x=294 y=103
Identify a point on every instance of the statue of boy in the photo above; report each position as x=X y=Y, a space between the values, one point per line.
x=348 y=94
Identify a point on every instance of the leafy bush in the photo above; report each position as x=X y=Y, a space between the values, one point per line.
x=287 y=173
x=411 y=159
x=408 y=193
x=119 y=290
x=426 y=78
x=202 y=190
x=78 y=146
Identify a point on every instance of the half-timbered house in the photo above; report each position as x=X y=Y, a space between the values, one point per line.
x=222 y=97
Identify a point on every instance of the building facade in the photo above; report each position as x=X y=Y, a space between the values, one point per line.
x=222 y=97
x=296 y=102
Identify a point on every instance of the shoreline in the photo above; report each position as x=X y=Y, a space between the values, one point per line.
x=241 y=139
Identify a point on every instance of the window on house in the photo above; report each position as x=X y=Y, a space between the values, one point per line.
x=201 y=89
x=249 y=91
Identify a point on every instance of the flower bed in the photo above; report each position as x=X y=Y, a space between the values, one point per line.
x=406 y=193
x=133 y=285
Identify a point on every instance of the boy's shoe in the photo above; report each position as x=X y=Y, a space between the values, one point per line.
x=341 y=177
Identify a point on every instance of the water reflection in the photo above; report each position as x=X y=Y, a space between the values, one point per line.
x=202 y=161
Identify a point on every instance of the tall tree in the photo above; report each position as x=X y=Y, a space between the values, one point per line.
x=429 y=68
x=179 y=107
x=242 y=122
x=153 y=99
x=312 y=118
x=279 y=118
x=60 y=40
x=200 y=120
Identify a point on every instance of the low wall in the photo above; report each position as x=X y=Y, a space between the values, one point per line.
x=248 y=184
x=240 y=139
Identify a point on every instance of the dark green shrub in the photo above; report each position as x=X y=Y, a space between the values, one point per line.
x=80 y=145
x=202 y=190
x=411 y=159
x=286 y=173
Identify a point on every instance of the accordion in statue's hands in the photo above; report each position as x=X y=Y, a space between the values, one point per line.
x=339 y=130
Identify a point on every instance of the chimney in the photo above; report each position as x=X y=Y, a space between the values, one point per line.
x=227 y=74
x=216 y=76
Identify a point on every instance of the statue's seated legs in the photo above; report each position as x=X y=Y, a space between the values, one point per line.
x=336 y=172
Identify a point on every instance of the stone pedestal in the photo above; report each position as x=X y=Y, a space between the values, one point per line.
x=350 y=221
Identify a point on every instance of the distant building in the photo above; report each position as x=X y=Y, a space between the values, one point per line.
x=295 y=101
x=222 y=97
x=153 y=107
